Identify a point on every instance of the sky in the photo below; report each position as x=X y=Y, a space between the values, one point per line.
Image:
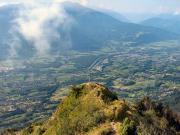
x=134 y=10
x=122 y=6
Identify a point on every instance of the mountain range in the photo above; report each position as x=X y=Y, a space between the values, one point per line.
x=91 y=30
x=169 y=22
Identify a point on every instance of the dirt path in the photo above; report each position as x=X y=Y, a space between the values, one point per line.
x=113 y=125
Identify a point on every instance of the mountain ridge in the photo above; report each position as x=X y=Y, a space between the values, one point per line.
x=92 y=109
x=92 y=30
x=169 y=22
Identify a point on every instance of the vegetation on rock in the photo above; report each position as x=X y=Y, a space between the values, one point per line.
x=92 y=109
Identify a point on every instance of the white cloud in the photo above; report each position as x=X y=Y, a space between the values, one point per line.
x=31 y=22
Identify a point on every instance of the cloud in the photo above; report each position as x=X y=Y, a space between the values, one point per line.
x=39 y=23
x=31 y=23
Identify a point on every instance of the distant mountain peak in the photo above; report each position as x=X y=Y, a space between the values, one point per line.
x=73 y=6
x=169 y=22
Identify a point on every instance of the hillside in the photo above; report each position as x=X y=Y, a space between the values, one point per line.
x=94 y=30
x=92 y=109
x=115 y=15
x=166 y=22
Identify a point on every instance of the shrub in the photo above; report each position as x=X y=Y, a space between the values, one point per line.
x=108 y=96
x=76 y=91
x=128 y=127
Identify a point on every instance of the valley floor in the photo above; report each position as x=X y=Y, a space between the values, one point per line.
x=32 y=89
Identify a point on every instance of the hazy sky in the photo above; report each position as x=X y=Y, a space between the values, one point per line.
x=140 y=6
x=134 y=10
x=125 y=6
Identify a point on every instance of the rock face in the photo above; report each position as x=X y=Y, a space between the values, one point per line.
x=92 y=109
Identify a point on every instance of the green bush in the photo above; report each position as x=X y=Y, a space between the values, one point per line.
x=128 y=127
